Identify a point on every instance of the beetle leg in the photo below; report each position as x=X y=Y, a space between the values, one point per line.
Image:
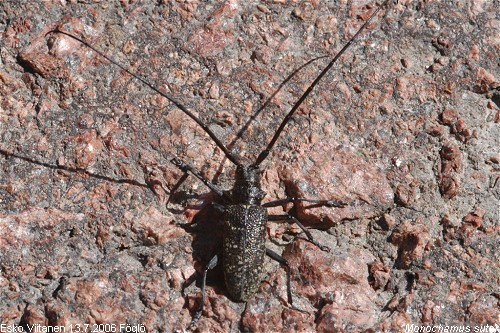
x=330 y=203
x=176 y=187
x=211 y=264
x=218 y=207
x=293 y=219
x=273 y=255
x=186 y=168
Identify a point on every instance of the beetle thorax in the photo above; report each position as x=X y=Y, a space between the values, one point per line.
x=246 y=189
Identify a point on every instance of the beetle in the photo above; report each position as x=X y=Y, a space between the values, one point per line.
x=244 y=215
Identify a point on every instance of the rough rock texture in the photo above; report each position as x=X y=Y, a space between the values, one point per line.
x=405 y=129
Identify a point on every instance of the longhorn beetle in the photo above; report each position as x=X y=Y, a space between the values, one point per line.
x=244 y=216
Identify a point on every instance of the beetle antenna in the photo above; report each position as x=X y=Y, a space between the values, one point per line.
x=172 y=99
x=262 y=156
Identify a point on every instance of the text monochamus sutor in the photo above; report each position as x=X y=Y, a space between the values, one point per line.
x=244 y=216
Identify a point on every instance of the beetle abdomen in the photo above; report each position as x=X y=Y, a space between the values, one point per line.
x=244 y=249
